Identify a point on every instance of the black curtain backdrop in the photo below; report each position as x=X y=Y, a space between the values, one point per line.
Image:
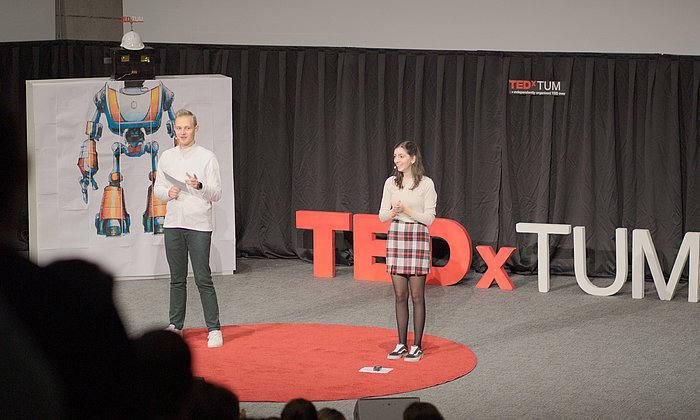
x=314 y=129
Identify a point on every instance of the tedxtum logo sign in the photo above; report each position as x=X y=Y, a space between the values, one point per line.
x=535 y=87
x=367 y=246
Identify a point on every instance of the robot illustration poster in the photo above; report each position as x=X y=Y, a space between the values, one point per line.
x=94 y=146
x=135 y=113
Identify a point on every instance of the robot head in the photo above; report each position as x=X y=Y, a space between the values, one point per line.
x=132 y=41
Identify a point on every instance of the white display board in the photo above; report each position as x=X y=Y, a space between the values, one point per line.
x=62 y=225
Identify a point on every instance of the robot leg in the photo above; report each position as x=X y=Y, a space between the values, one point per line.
x=154 y=216
x=113 y=220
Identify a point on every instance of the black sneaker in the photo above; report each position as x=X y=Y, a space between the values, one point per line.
x=414 y=355
x=399 y=352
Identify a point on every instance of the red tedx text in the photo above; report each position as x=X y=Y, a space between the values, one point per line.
x=367 y=247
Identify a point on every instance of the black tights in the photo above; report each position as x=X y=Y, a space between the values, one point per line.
x=401 y=290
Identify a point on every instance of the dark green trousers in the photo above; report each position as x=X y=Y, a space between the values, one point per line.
x=178 y=244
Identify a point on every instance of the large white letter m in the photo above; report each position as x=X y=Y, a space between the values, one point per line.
x=643 y=249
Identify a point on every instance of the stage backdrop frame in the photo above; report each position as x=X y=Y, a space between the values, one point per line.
x=62 y=226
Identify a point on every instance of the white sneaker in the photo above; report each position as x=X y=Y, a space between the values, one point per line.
x=398 y=352
x=172 y=328
x=215 y=339
x=414 y=355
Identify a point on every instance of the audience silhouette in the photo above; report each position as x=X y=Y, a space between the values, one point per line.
x=299 y=409
x=164 y=362
x=213 y=402
x=422 y=411
x=327 y=413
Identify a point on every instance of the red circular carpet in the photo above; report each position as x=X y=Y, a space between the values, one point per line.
x=320 y=362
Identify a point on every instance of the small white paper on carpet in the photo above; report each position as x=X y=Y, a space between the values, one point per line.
x=370 y=369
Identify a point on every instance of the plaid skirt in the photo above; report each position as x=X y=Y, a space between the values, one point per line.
x=407 y=249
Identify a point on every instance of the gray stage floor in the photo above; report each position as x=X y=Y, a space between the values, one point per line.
x=562 y=354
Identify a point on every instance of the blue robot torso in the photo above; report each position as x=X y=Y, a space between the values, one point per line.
x=131 y=114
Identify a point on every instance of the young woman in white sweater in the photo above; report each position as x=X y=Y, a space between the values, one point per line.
x=409 y=201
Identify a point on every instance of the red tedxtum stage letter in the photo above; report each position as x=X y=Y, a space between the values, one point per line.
x=460 y=244
x=367 y=247
x=324 y=224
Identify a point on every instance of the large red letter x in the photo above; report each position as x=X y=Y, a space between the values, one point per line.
x=495 y=269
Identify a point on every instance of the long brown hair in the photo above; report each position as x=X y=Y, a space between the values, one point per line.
x=417 y=169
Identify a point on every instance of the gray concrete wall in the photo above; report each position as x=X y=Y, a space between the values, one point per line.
x=627 y=26
x=27 y=20
x=630 y=26
x=89 y=19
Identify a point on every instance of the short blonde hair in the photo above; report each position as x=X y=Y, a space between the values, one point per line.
x=182 y=112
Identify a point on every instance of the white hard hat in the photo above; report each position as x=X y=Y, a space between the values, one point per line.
x=132 y=41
